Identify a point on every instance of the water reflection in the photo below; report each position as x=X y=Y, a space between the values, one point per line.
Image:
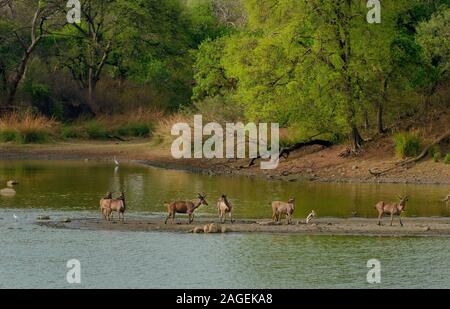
x=79 y=185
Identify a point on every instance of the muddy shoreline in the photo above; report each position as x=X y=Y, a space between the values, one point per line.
x=435 y=226
x=318 y=166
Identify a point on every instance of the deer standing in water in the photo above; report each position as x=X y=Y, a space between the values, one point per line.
x=185 y=207
x=118 y=205
x=225 y=207
x=105 y=206
x=283 y=208
x=391 y=209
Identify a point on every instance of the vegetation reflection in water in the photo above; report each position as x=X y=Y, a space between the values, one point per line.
x=79 y=185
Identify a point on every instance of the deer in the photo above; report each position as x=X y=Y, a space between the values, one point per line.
x=118 y=205
x=391 y=209
x=185 y=207
x=224 y=207
x=105 y=206
x=280 y=208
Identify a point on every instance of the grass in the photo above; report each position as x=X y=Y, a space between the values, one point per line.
x=8 y=136
x=447 y=159
x=164 y=126
x=26 y=128
x=96 y=130
x=136 y=129
x=407 y=144
x=71 y=132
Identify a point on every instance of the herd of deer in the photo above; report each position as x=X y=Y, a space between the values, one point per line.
x=109 y=205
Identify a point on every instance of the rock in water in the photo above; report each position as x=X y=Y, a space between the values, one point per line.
x=214 y=228
x=11 y=183
x=198 y=230
x=43 y=218
x=7 y=192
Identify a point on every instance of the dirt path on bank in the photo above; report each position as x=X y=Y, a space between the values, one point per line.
x=310 y=164
x=323 y=226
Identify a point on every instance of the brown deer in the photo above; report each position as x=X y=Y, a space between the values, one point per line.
x=118 y=205
x=185 y=207
x=281 y=208
x=391 y=209
x=224 y=207
x=105 y=206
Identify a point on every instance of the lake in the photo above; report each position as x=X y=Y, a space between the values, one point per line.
x=34 y=256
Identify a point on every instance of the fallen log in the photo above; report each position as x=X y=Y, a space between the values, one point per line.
x=117 y=138
x=422 y=155
x=286 y=151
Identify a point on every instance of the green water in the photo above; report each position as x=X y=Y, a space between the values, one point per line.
x=79 y=185
x=33 y=256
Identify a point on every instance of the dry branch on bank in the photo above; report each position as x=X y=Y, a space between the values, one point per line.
x=422 y=155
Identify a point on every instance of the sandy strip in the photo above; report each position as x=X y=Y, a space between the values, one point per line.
x=324 y=226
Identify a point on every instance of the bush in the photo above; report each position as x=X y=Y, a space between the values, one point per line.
x=71 y=132
x=436 y=156
x=407 y=144
x=96 y=131
x=8 y=136
x=32 y=136
x=26 y=127
x=135 y=129
x=447 y=159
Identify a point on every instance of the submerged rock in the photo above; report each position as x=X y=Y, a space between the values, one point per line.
x=12 y=182
x=66 y=220
x=212 y=228
x=7 y=192
x=198 y=230
x=43 y=218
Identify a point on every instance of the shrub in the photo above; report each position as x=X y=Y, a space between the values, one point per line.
x=447 y=159
x=26 y=127
x=137 y=129
x=436 y=156
x=32 y=136
x=407 y=144
x=8 y=136
x=71 y=132
x=96 y=131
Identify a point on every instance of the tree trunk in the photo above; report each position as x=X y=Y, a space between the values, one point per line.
x=380 y=125
x=12 y=89
x=20 y=73
x=366 y=120
x=356 y=140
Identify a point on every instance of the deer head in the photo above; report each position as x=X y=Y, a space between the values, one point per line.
x=403 y=200
x=202 y=199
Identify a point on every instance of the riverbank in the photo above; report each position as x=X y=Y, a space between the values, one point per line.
x=312 y=163
x=322 y=226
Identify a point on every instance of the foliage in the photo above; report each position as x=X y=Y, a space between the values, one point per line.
x=447 y=159
x=407 y=144
x=95 y=130
x=137 y=129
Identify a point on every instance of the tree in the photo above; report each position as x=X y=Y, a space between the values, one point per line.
x=14 y=30
x=87 y=46
x=434 y=38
